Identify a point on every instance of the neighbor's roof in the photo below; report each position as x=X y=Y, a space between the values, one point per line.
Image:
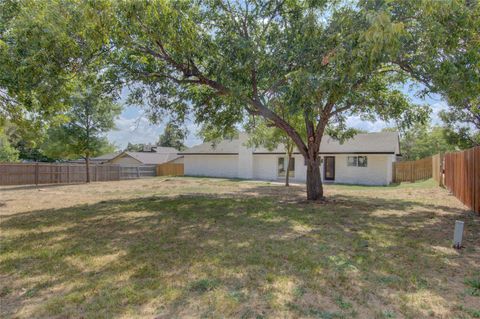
x=101 y=158
x=106 y=157
x=152 y=158
x=161 y=149
x=382 y=143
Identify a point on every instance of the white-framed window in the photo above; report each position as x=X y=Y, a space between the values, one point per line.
x=282 y=166
x=360 y=161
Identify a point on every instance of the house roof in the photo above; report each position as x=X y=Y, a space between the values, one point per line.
x=380 y=143
x=152 y=158
x=106 y=157
x=161 y=149
x=222 y=147
x=101 y=158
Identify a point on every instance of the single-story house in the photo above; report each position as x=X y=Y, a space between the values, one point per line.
x=160 y=155
x=364 y=159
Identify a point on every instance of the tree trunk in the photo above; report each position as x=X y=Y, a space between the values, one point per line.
x=314 y=180
x=289 y=146
x=87 y=167
x=287 y=173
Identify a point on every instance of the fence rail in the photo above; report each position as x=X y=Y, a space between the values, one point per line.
x=63 y=173
x=462 y=176
x=412 y=171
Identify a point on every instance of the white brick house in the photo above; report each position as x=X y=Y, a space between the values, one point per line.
x=365 y=159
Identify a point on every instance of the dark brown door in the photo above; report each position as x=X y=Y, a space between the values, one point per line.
x=329 y=168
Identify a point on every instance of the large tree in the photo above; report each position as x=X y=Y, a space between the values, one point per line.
x=422 y=140
x=8 y=153
x=172 y=136
x=442 y=53
x=462 y=125
x=91 y=115
x=44 y=46
x=224 y=61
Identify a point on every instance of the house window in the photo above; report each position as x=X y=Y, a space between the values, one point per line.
x=360 y=161
x=352 y=160
x=282 y=165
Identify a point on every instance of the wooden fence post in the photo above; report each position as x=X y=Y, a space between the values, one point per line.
x=394 y=172
x=138 y=172
x=36 y=174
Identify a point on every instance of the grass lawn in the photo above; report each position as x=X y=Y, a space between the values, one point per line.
x=212 y=248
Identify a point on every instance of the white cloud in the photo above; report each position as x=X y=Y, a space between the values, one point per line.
x=358 y=123
x=133 y=127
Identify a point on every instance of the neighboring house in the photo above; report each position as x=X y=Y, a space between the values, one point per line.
x=160 y=156
x=364 y=159
x=97 y=160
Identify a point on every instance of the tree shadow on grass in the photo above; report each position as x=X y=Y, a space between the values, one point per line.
x=233 y=256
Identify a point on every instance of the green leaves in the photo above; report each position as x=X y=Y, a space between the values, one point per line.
x=7 y=152
x=44 y=45
x=91 y=115
x=173 y=136
x=220 y=61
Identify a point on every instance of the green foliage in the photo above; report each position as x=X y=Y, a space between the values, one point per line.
x=462 y=127
x=25 y=142
x=474 y=286
x=92 y=115
x=315 y=60
x=221 y=61
x=422 y=141
x=204 y=285
x=134 y=147
x=173 y=136
x=442 y=51
x=44 y=46
x=7 y=152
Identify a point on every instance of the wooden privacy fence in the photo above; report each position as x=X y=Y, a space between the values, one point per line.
x=437 y=169
x=412 y=171
x=64 y=173
x=462 y=176
x=171 y=169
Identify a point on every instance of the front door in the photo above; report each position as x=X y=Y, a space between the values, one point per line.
x=329 y=168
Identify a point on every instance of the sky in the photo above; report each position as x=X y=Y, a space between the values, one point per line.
x=134 y=127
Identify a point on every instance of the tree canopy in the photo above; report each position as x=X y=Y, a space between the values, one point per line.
x=8 y=153
x=173 y=136
x=44 y=47
x=223 y=61
x=91 y=115
x=421 y=141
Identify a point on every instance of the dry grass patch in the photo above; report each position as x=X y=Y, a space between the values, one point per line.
x=212 y=248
